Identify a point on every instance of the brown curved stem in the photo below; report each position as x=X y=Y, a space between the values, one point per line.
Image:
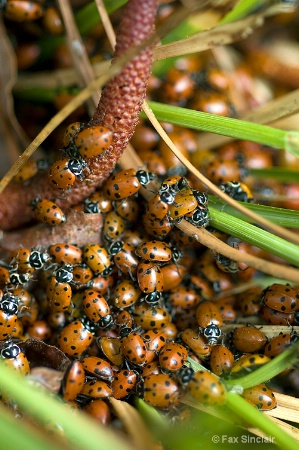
x=118 y=109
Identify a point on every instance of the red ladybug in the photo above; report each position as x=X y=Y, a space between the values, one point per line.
x=64 y=172
x=97 y=258
x=59 y=295
x=96 y=389
x=260 y=396
x=112 y=349
x=98 y=368
x=281 y=297
x=12 y=356
x=149 y=277
x=209 y=319
x=48 y=212
x=149 y=318
x=99 y=410
x=97 y=309
x=124 y=383
x=156 y=251
x=126 y=294
x=221 y=360
x=172 y=357
x=65 y=254
x=248 y=339
x=75 y=337
x=161 y=391
x=126 y=183
x=207 y=388
x=134 y=349
x=93 y=141
x=23 y=11
x=73 y=381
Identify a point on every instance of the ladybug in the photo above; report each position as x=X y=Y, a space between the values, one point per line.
x=97 y=258
x=70 y=132
x=184 y=203
x=238 y=191
x=134 y=349
x=221 y=360
x=97 y=309
x=99 y=410
x=221 y=171
x=98 y=368
x=260 y=396
x=23 y=11
x=64 y=172
x=64 y=274
x=207 y=388
x=274 y=317
x=173 y=275
x=126 y=183
x=124 y=320
x=124 y=257
x=152 y=368
x=249 y=301
x=199 y=217
x=282 y=298
x=172 y=185
x=149 y=318
x=56 y=320
x=157 y=228
x=198 y=343
x=157 y=251
x=212 y=102
x=154 y=340
x=17 y=279
x=112 y=349
x=29 y=169
x=4 y=274
x=48 y=212
x=73 y=381
x=248 y=339
x=161 y=391
x=13 y=357
x=96 y=389
x=9 y=303
x=27 y=261
x=183 y=297
x=93 y=141
x=8 y=321
x=128 y=209
x=185 y=375
x=40 y=329
x=126 y=294
x=97 y=203
x=114 y=226
x=201 y=197
x=209 y=319
x=157 y=209
x=59 y=295
x=82 y=275
x=149 y=277
x=124 y=383
x=65 y=254
x=178 y=87
x=172 y=357
x=279 y=343
x=101 y=284
x=75 y=338
x=248 y=363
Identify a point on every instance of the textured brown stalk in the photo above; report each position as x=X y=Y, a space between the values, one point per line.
x=118 y=109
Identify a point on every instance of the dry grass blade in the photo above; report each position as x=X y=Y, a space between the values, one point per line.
x=287 y=409
x=78 y=52
x=106 y=22
x=207 y=239
x=275 y=229
x=292 y=431
x=221 y=35
x=133 y=424
x=269 y=113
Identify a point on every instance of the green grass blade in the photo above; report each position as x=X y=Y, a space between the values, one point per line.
x=82 y=432
x=284 y=217
x=255 y=236
x=226 y=126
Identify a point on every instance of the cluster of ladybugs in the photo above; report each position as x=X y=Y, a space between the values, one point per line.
x=128 y=316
